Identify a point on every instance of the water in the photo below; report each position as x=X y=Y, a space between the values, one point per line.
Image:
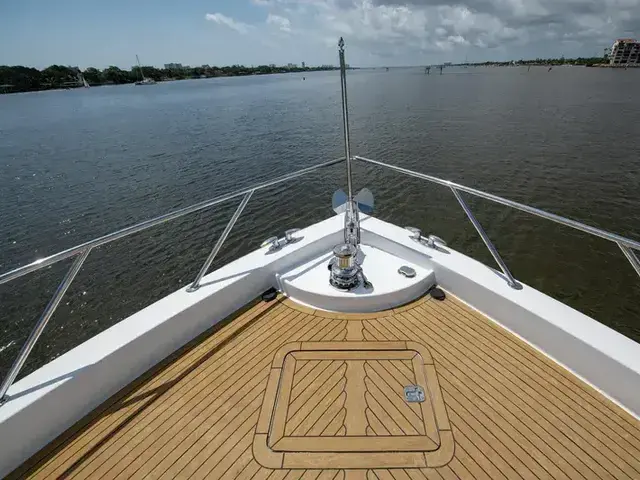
x=79 y=164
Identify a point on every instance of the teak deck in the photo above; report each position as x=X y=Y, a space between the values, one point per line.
x=282 y=391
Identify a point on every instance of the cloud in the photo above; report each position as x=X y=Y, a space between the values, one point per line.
x=512 y=27
x=229 y=22
x=402 y=32
x=283 y=23
x=530 y=21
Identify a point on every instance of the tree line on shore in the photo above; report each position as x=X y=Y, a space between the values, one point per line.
x=27 y=79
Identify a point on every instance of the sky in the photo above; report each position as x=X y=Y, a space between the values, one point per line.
x=96 y=33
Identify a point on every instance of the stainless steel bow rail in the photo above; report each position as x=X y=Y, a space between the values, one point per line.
x=626 y=245
x=81 y=252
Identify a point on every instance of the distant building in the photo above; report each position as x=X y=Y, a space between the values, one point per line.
x=272 y=65
x=625 y=51
x=304 y=65
x=205 y=66
x=173 y=66
x=292 y=65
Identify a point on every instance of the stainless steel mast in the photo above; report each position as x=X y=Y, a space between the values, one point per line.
x=351 y=222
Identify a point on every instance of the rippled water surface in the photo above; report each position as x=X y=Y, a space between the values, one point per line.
x=78 y=164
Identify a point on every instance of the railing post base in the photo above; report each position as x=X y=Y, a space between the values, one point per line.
x=515 y=285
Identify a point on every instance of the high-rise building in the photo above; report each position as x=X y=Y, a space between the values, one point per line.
x=625 y=51
x=304 y=65
x=173 y=66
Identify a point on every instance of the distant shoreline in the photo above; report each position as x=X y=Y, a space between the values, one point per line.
x=547 y=65
x=19 y=79
x=555 y=62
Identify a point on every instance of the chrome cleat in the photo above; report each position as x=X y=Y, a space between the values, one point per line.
x=416 y=233
x=433 y=242
x=289 y=238
x=273 y=243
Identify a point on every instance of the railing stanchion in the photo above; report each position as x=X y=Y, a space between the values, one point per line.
x=487 y=241
x=203 y=271
x=42 y=323
x=632 y=257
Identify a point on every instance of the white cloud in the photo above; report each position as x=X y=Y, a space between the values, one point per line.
x=229 y=22
x=405 y=32
x=283 y=23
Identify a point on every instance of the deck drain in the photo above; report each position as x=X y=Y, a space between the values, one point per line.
x=414 y=394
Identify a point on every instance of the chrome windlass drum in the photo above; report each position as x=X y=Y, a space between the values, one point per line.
x=344 y=269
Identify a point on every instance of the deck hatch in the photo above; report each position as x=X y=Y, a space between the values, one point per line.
x=354 y=405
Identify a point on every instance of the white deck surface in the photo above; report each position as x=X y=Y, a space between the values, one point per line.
x=308 y=283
